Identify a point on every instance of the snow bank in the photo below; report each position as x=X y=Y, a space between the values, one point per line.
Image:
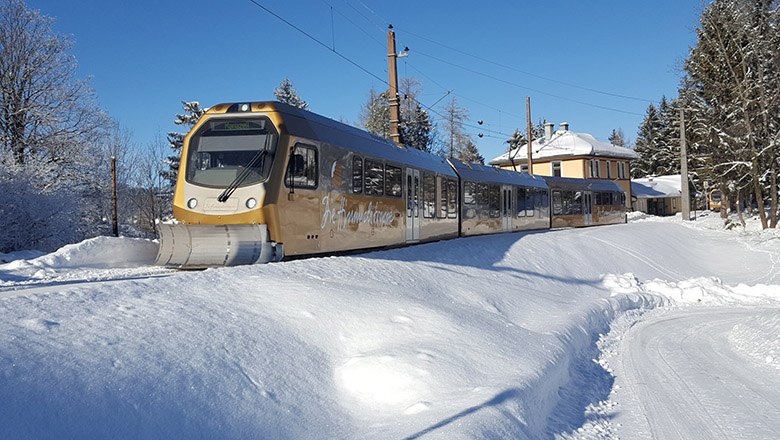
x=92 y=259
x=709 y=291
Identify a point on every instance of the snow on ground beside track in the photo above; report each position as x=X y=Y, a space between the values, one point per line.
x=98 y=258
x=483 y=337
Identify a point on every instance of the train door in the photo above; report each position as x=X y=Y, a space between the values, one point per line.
x=587 y=208
x=412 y=204
x=506 y=207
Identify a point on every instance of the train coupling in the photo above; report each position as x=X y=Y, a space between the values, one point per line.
x=197 y=246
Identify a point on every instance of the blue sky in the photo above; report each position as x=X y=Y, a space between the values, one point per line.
x=144 y=57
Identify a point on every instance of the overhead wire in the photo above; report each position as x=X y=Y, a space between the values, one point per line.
x=318 y=41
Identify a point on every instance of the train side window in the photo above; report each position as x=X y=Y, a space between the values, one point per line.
x=482 y=198
x=302 y=169
x=469 y=193
x=452 y=198
x=393 y=180
x=443 y=195
x=576 y=205
x=374 y=178
x=357 y=175
x=529 y=203
x=557 y=202
x=597 y=199
x=495 y=201
x=521 y=202
x=429 y=195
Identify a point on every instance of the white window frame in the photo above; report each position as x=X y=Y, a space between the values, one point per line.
x=609 y=169
x=560 y=167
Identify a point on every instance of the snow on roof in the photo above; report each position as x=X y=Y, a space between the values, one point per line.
x=657 y=187
x=564 y=143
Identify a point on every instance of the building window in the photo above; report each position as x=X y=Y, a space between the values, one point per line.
x=622 y=170
x=556 y=168
x=609 y=170
x=594 y=168
x=302 y=171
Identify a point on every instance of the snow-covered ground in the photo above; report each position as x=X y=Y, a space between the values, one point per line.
x=601 y=332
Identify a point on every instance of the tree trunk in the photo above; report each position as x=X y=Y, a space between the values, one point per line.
x=739 y=208
x=759 y=195
x=724 y=203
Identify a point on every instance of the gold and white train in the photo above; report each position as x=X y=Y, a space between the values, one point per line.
x=261 y=181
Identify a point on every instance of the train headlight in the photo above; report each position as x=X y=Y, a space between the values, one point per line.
x=251 y=203
x=244 y=107
x=192 y=203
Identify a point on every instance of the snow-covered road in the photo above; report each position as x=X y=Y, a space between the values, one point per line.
x=685 y=376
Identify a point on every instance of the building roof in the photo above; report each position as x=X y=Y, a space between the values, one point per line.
x=565 y=143
x=657 y=187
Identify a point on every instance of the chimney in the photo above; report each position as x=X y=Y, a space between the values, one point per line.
x=548 y=131
x=564 y=126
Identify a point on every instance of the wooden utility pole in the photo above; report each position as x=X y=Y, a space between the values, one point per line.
x=395 y=101
x=686 y=194
x=114 y=222
x=529 y=135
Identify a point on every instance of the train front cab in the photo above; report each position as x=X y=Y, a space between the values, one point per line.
x=585 y=202
x=495 y=200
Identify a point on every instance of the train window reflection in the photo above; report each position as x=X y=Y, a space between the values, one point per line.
x=357 y=175
x=429 y=195
x=375 y=178
x=452 y=199
x=393 y=179
x=302 y=171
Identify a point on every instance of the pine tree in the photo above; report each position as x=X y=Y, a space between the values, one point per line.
x=647 y=145
x=375 y=114
x=617 y=138
x=417 y=129
x=287 y=94
x=192 y=113
x=469 y=153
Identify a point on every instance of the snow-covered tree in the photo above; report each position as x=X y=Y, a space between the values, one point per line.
x=517 y=140
x=375 y=114
x=287 y=94
x=192 y=113
x=53 y=137
x=734 y=71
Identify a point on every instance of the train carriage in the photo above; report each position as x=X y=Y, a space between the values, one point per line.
x=498 y=200
x=585 y=202
x=261 y=181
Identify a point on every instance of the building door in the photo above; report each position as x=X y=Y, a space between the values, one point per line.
x=506 y=207
x=587 y=207
x=412 y=204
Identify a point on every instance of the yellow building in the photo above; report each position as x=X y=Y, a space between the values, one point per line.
x=565 y=153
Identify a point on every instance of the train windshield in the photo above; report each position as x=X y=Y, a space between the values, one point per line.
x=231 y=152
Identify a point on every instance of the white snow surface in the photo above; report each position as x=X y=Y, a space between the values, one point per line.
x=481 y=337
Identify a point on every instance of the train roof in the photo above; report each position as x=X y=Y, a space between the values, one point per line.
x=580 y=184
x=482 y=173
x=305 y=124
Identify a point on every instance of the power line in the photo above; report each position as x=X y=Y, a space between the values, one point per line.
x=344 y=57
x=514 y=69
x=541 y=92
